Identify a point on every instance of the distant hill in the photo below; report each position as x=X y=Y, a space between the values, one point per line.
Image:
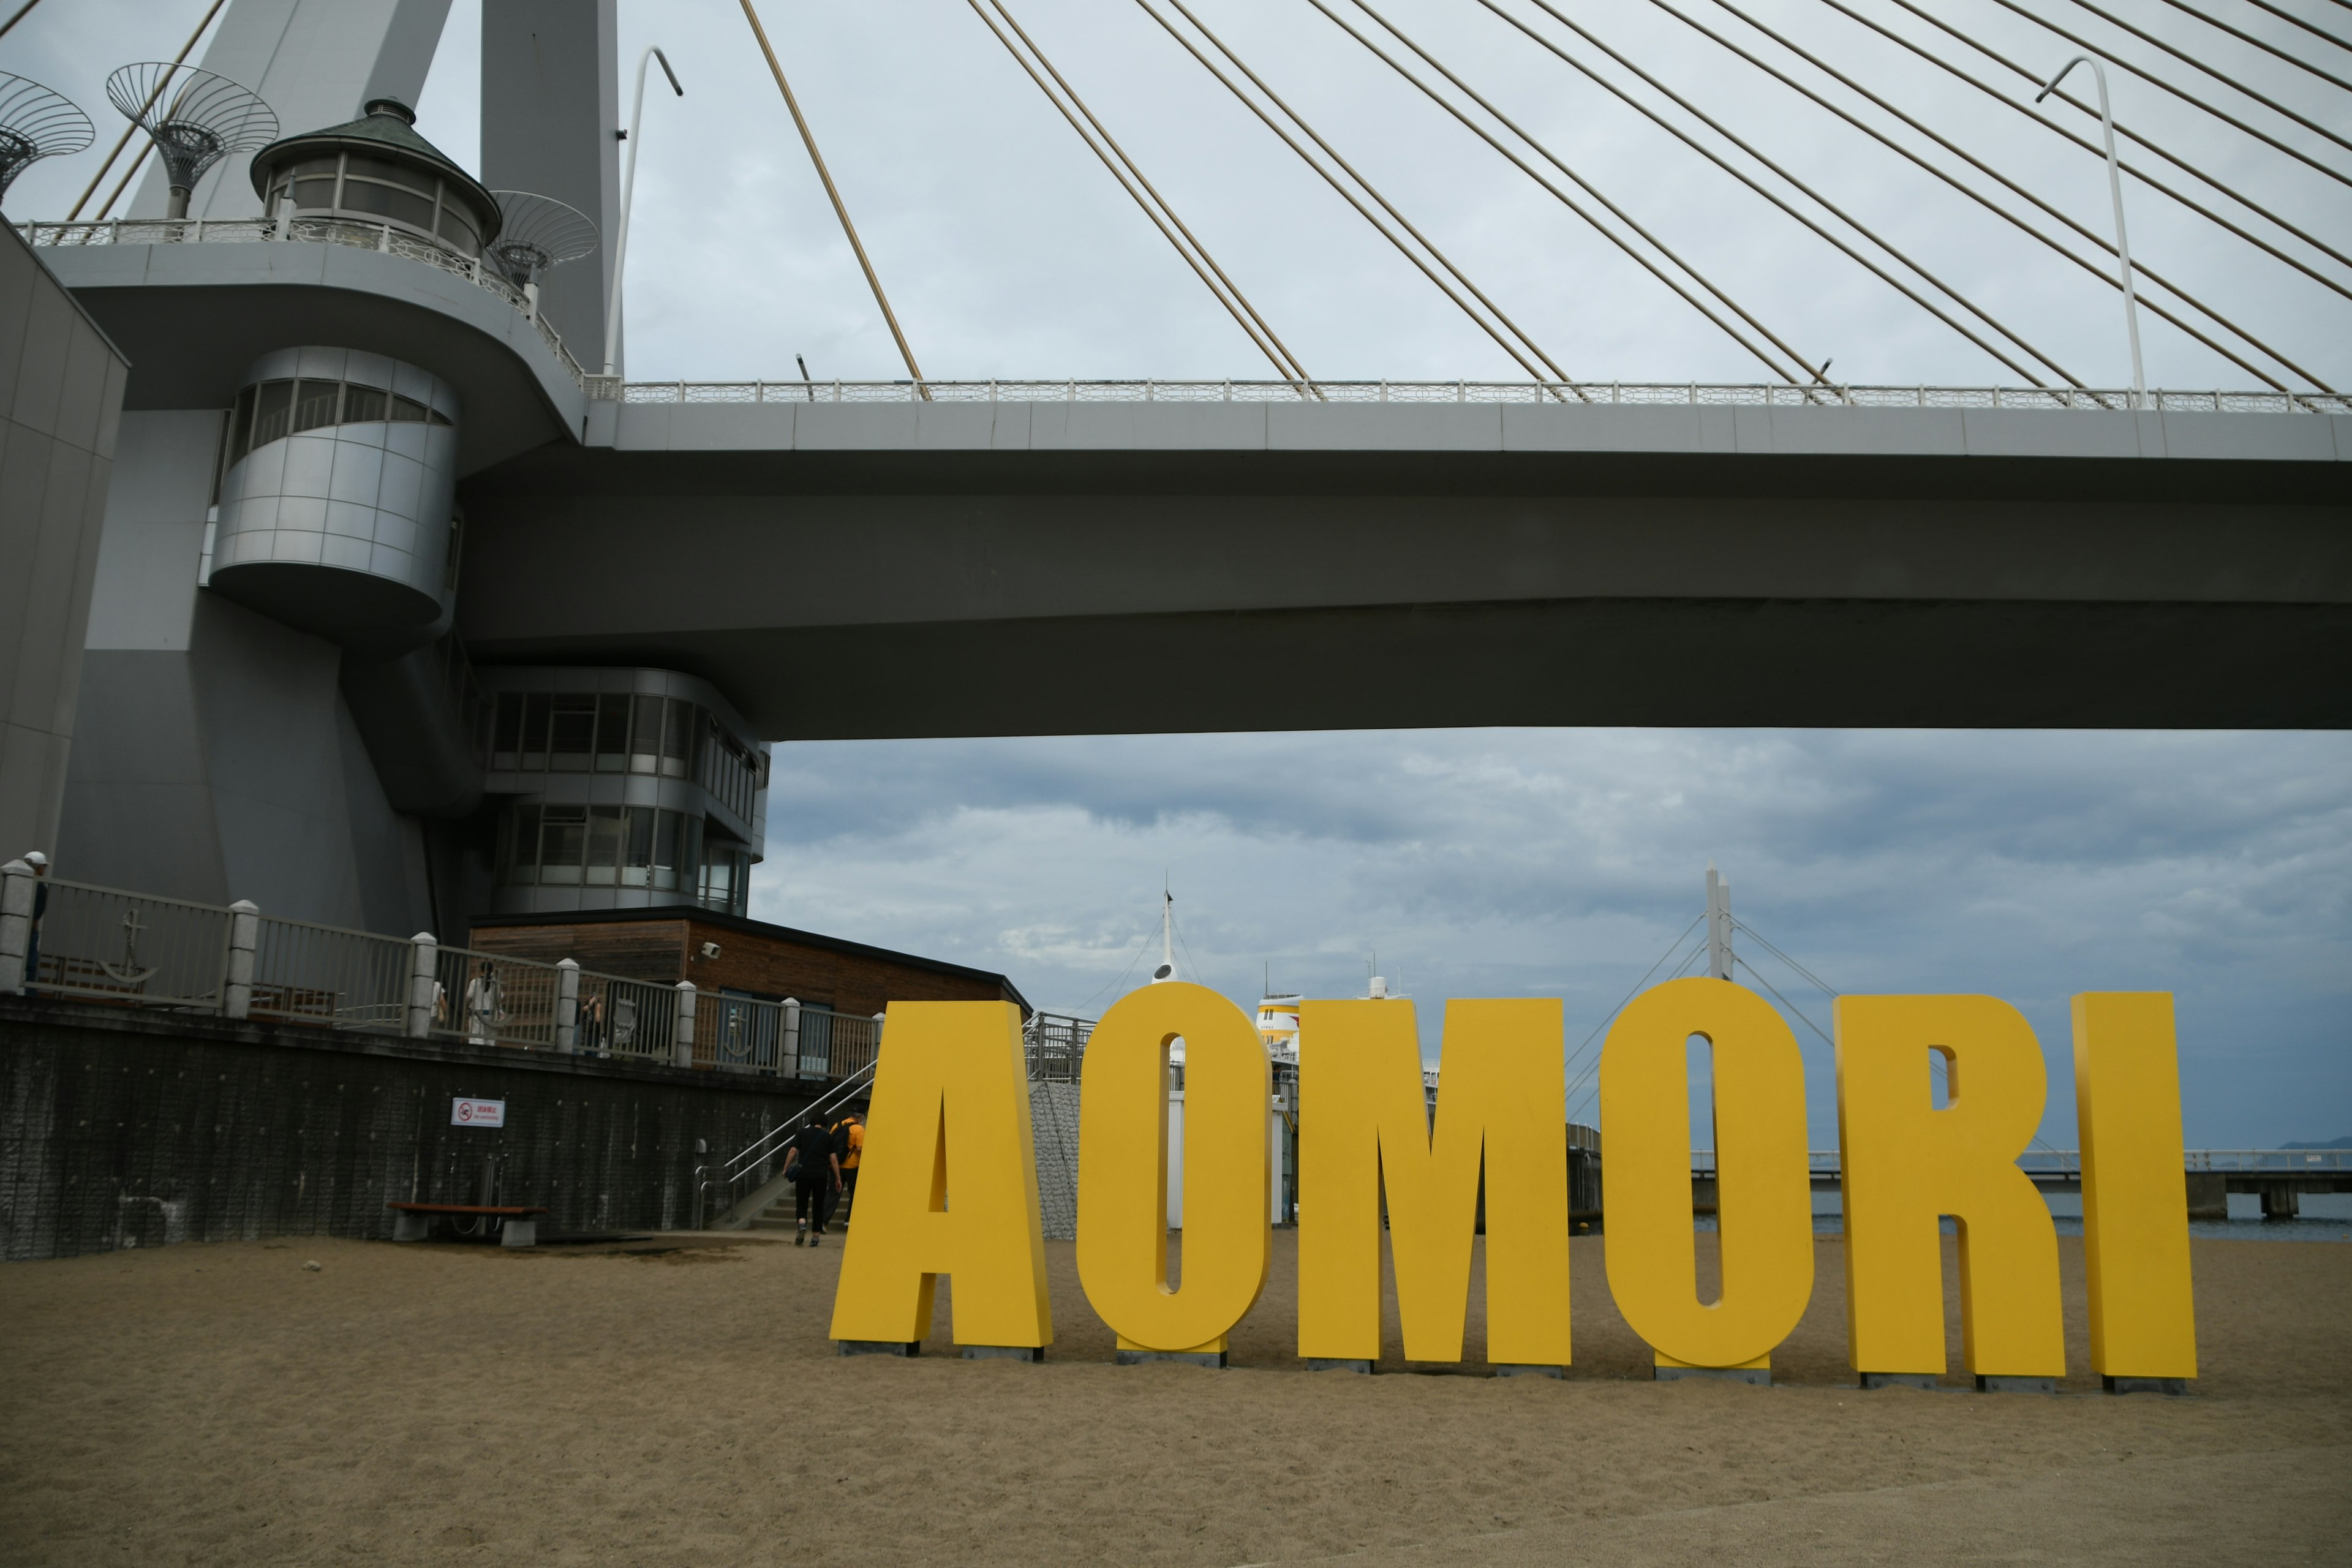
x=2332 y=1143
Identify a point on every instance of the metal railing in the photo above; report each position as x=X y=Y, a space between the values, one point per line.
x=68 y=938
x=1056 y=1044
x=387 y=239
x=305 y=973
x=719 y=1191
x=356 y=234
x=105 y=944
x=2066 y=1164
x=1702 y=395
x=2267 y=1161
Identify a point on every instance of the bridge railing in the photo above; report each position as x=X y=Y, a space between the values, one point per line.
x=352 y=233
x=1620 y=394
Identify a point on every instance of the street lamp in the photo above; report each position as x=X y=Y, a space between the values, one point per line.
x=628 y=189
x=2115 y=191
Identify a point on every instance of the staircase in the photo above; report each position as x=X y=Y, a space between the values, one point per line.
x=736 y=1190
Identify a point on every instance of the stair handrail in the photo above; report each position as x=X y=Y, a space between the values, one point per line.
x=737 y=1169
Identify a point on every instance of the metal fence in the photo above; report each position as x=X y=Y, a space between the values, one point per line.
x=68 y=938
x=108 y=945
x=1057 y=1045
x=2281 y=1162
x=1702 y=395
x=305 y=973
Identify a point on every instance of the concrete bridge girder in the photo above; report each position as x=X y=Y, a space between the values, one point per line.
x=859 y=571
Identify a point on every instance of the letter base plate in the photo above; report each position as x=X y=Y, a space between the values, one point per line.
x=1004 y=1353
x=1526 y=1369
x=1761 y=1376
x=1337 y=1364
x=1927 y=1380
x=2178 y=1387
x=1183 y=1358
x=879 y=1347
x=2017 y=1384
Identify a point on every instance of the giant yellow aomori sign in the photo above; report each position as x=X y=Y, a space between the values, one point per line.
x=951 y=1187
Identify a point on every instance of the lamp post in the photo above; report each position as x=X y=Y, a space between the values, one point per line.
x=2116 y=192
x=628 y=190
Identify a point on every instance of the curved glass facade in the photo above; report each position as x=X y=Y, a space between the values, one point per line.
x=628 y=788
x=354 y=185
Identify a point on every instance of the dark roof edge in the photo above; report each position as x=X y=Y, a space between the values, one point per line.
x=750 y=928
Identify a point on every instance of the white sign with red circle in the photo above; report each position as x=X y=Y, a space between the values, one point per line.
x=477 y=1114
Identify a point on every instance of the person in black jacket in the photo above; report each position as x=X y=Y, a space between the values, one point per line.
x=815 y=1175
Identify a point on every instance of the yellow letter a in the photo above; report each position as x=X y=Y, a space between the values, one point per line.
x=949 y=1184
x=1364 y=1129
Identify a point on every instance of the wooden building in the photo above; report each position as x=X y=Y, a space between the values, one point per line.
x=734 y=956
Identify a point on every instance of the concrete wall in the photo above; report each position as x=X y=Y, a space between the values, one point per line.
x=550 y=108
x=62 y=385
x=222 y=1132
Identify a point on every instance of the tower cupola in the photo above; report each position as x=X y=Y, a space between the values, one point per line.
x=377 y=169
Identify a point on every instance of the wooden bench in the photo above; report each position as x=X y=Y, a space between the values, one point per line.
x=517 y=1227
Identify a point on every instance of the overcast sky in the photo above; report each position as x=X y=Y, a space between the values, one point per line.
x=1487 y=863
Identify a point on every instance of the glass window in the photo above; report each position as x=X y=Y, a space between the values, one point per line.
x=604 y=844
x=240 y=425
x=397 y=203
x=315 y=193
x=408 y=410
x=677 y=738
x=506 y=734
x=665 y=850
x=689 y=849
x=645 y=736
x=518 y=846
x=563 y=838
x=612 y=734
x=637 y=855
x=456 y=227
x=273 y=407
x=535 y=709
x=573 y=737
x=315 y=403
x=363 y=405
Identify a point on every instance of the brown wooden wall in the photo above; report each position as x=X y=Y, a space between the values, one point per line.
x=665 y=952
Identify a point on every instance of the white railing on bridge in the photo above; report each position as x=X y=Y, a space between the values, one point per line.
x=2066 y=1164
x=71 y=940
x=356 y=234
x=1597 y=394
x=387 y=239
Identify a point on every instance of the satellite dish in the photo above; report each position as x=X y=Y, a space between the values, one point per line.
x=539 y=232
x=36 y=123
x=194 y=117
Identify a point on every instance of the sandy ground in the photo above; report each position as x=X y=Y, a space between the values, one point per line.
x=443 y=1404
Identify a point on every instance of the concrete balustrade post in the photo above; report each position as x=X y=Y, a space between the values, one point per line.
x=793 y=1035
x=244 y=938
x=567 y=1004
x=684 y=1038
x=16 y=888
x=422 y=982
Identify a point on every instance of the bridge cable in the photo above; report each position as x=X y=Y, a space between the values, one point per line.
x=1592 y=1074
x=1574 y=1055
x=2088 y=145
x=2195 y=63
x=1778 y=201
x=1226 y=292
x=2312 y=27
x=1229 y=85
x=808 y=140
x=2268 y=48
x=1552 y=158
x=1938 y=1072
x=2185 y=96
x=2108 y=245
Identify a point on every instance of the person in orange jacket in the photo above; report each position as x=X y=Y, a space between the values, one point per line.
x=848 y=1146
